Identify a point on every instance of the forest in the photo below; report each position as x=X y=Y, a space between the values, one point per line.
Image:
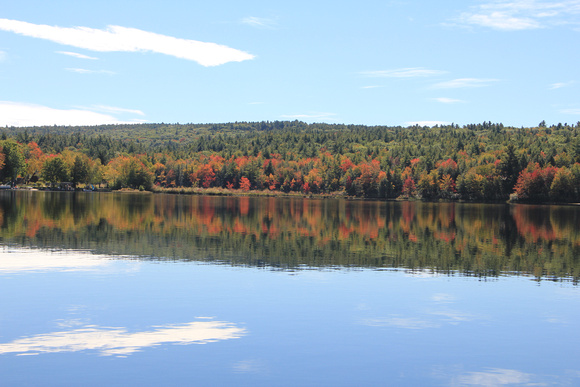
x=476 y=162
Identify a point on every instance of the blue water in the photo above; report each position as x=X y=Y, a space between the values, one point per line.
x=79 y=319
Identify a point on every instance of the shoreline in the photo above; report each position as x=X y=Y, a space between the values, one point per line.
x=267 y=193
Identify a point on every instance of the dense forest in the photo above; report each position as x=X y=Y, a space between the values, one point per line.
x=477 y=162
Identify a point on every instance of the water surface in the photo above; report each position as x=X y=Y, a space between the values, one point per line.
x=118 y=289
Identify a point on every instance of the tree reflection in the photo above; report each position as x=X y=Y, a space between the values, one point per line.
x=474 y=239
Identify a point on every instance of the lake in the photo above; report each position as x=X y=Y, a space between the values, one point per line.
x=138 y=289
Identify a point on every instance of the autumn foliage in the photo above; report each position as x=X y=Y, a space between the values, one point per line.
x=476 y=162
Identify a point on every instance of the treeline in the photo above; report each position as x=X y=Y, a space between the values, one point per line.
x=480 y=162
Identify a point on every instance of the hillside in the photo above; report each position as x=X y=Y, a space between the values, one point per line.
x=474 y=162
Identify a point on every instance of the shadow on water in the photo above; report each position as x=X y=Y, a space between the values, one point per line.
x=471 y=239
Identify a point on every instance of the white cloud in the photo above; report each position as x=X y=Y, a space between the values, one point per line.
x=447 y=100
x=371 y=87
x=514 y=15
x=85 y=71
x=312 y=116
x=117 y=38
x=259 y=22
x=113 y=109
x=76 y=55
x=117 y=341
x=427 y=123
x=559 y=85
x=2 y=56
x=410 y=72
x=570 y=111
x=501 y=21
x=24 y=114
x=464 y=82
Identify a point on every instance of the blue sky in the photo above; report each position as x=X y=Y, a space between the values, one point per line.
x=364 y=62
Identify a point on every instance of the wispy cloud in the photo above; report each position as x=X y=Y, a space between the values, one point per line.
x=371 y=87
x=117 y=38
x=86 y=71
x=464 y=82
x=259 y=22
x=409 y=72
x=514 y=15
x=76 y=55
x=2 y=56
x=24 y=114
x=448 y=100
x=559 y=85
x=570 y=111
x=501 y=21
x=113 y=109
x=427 y=123
x=311 y=116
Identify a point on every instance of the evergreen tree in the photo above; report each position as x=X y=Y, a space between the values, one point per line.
x=14 y=163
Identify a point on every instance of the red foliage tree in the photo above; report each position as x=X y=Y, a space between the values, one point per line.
x=245 y=184
x=409 y=187
x=534 y=183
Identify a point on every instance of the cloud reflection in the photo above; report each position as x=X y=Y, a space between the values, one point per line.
x=494 y=377
x=41 y=261
x=108 y=341
x=422 y=273
x=400 y=322
x=434 y=317
x=249 y=366
x=453 y=317
x=443 y=298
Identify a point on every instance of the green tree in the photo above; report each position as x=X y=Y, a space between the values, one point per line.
x=471 y=185
x=80 y=171
x=125 y=171
x=54 y=171
x=428 y=185
x=562 y=187
x=14 y=162
x=510 y=168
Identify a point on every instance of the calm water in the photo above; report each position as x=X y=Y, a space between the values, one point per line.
x=119 y=289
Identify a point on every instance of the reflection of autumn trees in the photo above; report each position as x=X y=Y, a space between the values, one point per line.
x=548 y=226
x=477 y=239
